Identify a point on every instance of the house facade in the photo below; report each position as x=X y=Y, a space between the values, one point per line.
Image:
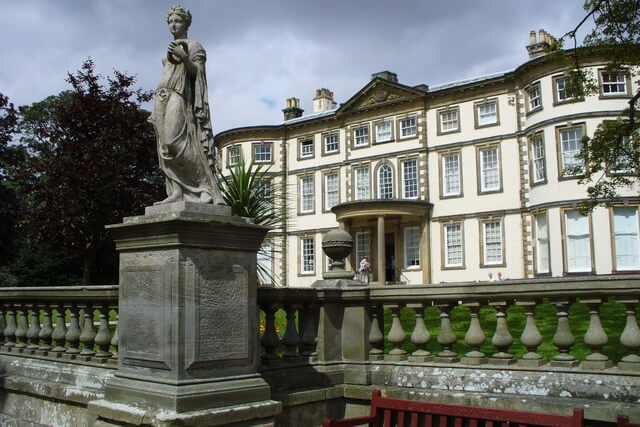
x=446 y=183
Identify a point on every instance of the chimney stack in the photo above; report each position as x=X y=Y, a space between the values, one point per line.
x=539 y=47
x=293 y=110
x=385 y=75
x=323 y=101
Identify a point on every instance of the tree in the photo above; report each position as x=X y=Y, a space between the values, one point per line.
x=612 y=155
x=249 y=191
x=92 y=160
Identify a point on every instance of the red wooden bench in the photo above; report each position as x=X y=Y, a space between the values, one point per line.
x=387 y=412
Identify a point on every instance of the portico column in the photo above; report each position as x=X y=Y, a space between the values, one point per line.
x=381 y=255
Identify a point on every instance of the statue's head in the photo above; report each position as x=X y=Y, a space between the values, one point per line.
x=181 y=12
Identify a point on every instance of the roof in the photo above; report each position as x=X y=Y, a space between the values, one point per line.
x=468 y=81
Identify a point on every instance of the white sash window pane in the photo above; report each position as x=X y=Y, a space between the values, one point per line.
x=561 y=89
x=453 y=245
x=451 y=174
x=614 y=84
x=306 y=148
x=534 y=98
x=490 y=173
x=307 y=194
x=331 y=190
x=537 y=148
x=487 y=114
x=362 y=245
x=542 y=244
x=571 y=140
x=331 y=143
x=449 y=121
x=265 y=265
x=308 y=257
x=410 y=179
x=385 y=182
x=626 y=238
x=362 y=184
x=383 y=132
x=492 y=235
x=578 y=242
x=361 y=136
x=262 y=153
x=412 y=247
x=408 y=127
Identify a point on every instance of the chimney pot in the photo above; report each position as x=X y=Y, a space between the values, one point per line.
x=293 y=109
x=323 y=101
x=532 y=37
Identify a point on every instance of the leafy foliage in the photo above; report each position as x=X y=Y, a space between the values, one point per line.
x=92 y=160
x=611 y=156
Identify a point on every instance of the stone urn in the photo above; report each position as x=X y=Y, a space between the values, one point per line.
x=337 y=245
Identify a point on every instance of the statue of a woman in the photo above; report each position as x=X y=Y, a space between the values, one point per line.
x=181 y=118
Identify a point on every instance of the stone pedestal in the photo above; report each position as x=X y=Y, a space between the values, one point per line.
x=188 y=317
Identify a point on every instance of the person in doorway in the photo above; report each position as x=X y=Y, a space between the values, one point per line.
x=364 y=269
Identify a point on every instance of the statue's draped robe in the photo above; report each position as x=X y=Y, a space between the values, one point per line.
x=183 y=130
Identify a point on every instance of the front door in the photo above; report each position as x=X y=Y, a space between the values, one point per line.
x=390 y=263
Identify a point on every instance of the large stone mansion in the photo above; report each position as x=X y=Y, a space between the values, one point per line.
x=446 y=183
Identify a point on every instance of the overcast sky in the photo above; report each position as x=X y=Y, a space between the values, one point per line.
x=261 y=52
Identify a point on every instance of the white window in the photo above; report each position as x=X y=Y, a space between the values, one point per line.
x=578 y=242
x=362 y=183
x=626 y=238
x=308 y=256
x=306 y=148
x=265 y=264
x=385 y=182
x=451 y=174
x=570 y=145
x=234 y=156
x=306 y=202
x=489 y=169
x=449 y=121
x=330 y=190
x=562 y=84
x=262 y=153
x=487 y=113
x=363 y=244
x=331 y=144
x=410 y=179
x=361 y=136
x=453 y=245
x=264 y=189
x=538 y=159
x=623 y=160
x=383 y=132
x=408 y=127
x=614 y=84
x=535 y=100
x=412 y=247
x=492 y=242
x=542 y=244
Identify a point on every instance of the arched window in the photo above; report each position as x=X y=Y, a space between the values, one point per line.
x=385 y=182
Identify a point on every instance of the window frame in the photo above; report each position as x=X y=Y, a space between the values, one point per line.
x=375 y=133
x=405 y=263
x=536 y=245
x=447 y=110
x=601 y=83
x=483 y=243
x=301 y=260
x=444 y=265
x=301 y=144
x=531 y=139
x=565 y=253
x=556 y=91
x=476 y=115
x=400 y=128
x=404 y=180
x=327 y=135
x=355 y=182
x=527 y=90
x=301 y=180
x=256 y=145
x=614 y=254
x=379 y=167
x=442 y=170
x=325 y=189
x=354 y=137
x=357 y=252
x=559 y=150
x=260 y=256
x=230 y=150
x=479 y=168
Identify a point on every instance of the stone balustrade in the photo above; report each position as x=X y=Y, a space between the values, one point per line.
x=67 y=323
x=348 y=324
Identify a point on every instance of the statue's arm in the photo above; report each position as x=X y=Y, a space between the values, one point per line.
x=177 y=48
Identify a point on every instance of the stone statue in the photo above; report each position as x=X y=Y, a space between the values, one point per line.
x=182 y=120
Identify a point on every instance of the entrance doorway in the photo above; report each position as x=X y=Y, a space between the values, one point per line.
x=389 y=251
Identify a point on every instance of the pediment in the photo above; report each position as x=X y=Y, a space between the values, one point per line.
x=379 y=92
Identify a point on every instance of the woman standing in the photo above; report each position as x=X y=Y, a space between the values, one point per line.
x=181 y=118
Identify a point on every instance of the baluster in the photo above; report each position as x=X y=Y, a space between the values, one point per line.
x=270 y=340
x=3 y=326
x=103 y=337
x=595 y=337
x=310 y=333
x=376 y=337
x=474 y=337
x=531 y=337
x=46 y=331
x=563 y=338
x=10 y=329
x=630 y=337
x=502 y=338
x=21 y=330
x=73 y=332
x=420 y=336
x=88 y=334
x=291 y=339
x=115 y=341
x=397 y=335
x=59 y=331
x=33 y=332
x=446 y=338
